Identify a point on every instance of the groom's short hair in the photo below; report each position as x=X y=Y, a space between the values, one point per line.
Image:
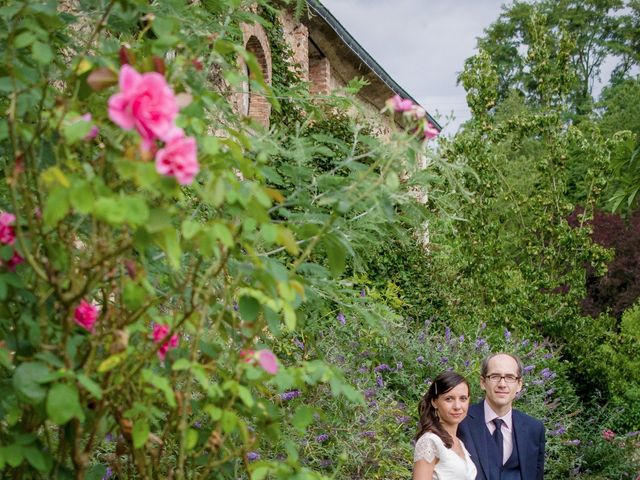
x=484 y=368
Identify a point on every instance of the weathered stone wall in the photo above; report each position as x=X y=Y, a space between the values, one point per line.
x=296 y=35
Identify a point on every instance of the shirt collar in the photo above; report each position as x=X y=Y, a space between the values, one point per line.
x=490 y=415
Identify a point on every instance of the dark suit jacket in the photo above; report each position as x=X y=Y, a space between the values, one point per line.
x=529 y=441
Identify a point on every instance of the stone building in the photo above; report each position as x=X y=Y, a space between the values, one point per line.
x=328 y=57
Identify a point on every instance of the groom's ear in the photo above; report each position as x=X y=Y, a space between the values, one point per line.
x=482 y=385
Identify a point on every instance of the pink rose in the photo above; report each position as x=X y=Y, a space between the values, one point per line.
x=7 y=233
x=178 y=158
x=145 y=102
x=268 y=361
x=399 y=104
x=86 y=315
x=159 y=334
x=430 y=131
x=94 y=130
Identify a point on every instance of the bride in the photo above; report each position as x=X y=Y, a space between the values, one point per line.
x=439 y=454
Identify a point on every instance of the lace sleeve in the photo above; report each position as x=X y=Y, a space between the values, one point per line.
x=426 y=449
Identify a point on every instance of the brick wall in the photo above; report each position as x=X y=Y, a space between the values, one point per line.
x=255 y=41
x=319 y=75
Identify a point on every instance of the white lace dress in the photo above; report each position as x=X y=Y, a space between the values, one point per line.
x=450 y=466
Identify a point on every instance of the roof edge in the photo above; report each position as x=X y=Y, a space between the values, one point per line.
x=363 y=55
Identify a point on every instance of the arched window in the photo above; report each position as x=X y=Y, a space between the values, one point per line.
x=253 y=103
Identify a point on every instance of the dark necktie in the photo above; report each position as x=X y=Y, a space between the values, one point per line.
x=497 y=437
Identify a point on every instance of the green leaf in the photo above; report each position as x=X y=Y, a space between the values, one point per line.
x=56 y=206
x=245 y=395
x=37 y=459
x=190 y=228
x=192 y=439
x=260 y=472
x=135 y=210
x=303 y=418
x=171 y=246
x=27 y=381
x=249 y=308
x=162 y=384
x=76 y=130
x=229 y=421
x=92 y=387
x=63 y=403
x=81 y=196
x=223 y=234
x=140 y=433
x=24 y=39
x=42 y=53
x=133 y=295
x=181 y=364
x=336 y=255
x=13 y=455
x=111 y=362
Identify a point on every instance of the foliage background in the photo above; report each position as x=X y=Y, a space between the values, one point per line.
x=303 y=240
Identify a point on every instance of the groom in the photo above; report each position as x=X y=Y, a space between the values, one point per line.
x=505 y=444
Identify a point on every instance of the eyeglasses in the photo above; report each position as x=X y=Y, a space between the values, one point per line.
x=495 y=378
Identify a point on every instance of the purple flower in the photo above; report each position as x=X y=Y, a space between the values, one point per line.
x=403 y=419
x=447 y=334
x=529 y=368
x=550 y=392
x=547 y=356
x=444 y=360
x=253 y=456
x=340 y=358
x=575 y=442
x=461 y=338
x=525 y=342
x=235 y=306
x=383 y=367
x=558 y=431
x=362 y=369
x=373 y=404
x=427 y=381
x=291 y=394
x=507 y=335
x=546 y=373
x=197 y=424
x=481 y=342
x=323 y=437
x=108 y=437
x=369 y=393
x=363 y=293
x=483 y=326
x=399 y=366
x=466 y=363
x=107 y=474
x=341 y=318
x=298 y=343
x=422 y=337
x=537 y=382
x=420 y=359
x=379 y=381
x=368 y=433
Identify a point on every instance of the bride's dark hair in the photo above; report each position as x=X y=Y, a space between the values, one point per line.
x=429 y=420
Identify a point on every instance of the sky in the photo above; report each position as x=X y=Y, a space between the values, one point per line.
x=422 y=44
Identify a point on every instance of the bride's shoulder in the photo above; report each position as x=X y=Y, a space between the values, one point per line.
x=430 y=438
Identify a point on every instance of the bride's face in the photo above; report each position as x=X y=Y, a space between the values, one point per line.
x=453 y=405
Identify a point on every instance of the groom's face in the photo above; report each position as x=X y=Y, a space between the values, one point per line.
x=500 y=395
